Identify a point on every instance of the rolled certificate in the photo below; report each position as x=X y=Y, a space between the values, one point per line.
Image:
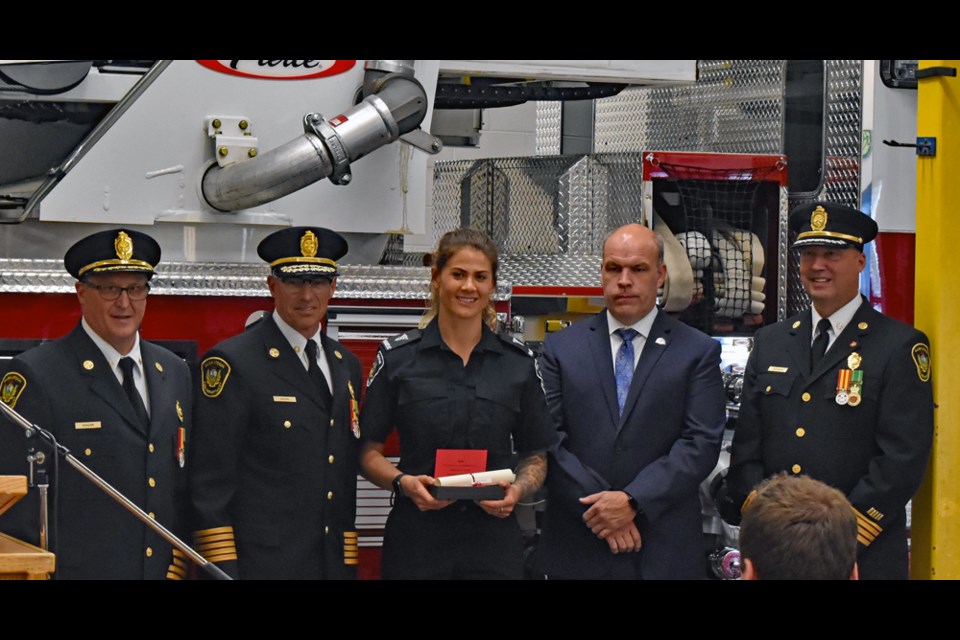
x=477 y=479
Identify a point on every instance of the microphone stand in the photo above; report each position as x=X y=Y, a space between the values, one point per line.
x=211 y=569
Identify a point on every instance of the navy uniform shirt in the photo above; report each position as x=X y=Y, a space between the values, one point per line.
x=421 y=387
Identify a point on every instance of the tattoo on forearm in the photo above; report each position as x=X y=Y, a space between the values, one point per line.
x=531 y=472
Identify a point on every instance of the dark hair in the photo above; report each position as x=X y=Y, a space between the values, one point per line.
x=451 y=243
x=798 y=528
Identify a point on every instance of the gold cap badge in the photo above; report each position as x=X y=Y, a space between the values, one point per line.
x=123 y=246
x=309 y=244
x=818 y=219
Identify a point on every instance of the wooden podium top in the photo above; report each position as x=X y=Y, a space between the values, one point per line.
x=19 y=559
x=12 y=488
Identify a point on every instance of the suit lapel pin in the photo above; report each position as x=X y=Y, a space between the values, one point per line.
x=274 y=352
x=660 y=341
x=179 y=411
x=338 y=354
x=796 y=324
x=158 y=366
x=88 y=364
x=862 y=325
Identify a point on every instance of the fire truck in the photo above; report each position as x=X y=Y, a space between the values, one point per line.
x=546 y=156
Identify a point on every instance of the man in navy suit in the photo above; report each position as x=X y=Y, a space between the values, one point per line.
x=638 y=399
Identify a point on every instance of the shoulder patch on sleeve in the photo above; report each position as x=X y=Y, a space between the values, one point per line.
x=11 y=387
x=403 y=339
x=375 y=367
x=213 y=376
x=921 y=358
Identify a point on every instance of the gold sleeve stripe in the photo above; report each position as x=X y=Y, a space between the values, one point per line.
x=351 y=554
x=215 y=530
x=868 y=524
x=349 y=534
x=176 y=571
x=349 y=561
x=179 y=554
x=217 y=546
x=866 y=533
x=173 y=576
x=216 y=537
x=177 y=562
x=863 y=540
x=867 y=530
x=220 y=557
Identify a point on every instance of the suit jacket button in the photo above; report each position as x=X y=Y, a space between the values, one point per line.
x=800 y=433
x=330 y=459
x=329 y=495
x=331 y=422
x=286 y=424
x=152 y=482
x=795 y=468
x=806 y=396
x=150 y=447
x=149 y=552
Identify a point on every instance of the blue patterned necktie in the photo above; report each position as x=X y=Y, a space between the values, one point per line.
x=624 y=369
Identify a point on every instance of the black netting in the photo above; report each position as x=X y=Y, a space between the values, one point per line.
x=724 y=219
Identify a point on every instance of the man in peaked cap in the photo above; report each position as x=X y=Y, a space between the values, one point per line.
x=121 y=405
x=273 y=475
x=839 y=392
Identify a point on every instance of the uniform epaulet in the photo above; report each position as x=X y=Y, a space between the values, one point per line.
x=403 y=339
x=517 y=343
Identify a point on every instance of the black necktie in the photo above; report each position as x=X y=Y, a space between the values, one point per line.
x=313 y=368
x=126 y=365
x=820 y=344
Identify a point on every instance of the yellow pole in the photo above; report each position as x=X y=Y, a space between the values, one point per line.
x=936 y=517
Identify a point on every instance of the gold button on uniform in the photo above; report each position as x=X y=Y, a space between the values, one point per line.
x=806 y=396
x=149 y=552
x=331 y=422
x=152 y=515
x=152 y=482
x=150 y=448
x=326 y=529
x=286 y=424
x=329 y=495
x=769 y=388
x=330 y=459
x=88 y=451
x=801 y=432
x=795 y=468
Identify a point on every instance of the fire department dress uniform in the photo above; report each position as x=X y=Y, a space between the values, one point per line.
x=861 y=421
x=274 y=468
x=495 y=402
x=68 y=388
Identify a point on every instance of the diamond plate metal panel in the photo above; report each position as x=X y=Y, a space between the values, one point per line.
x=234 y=279
x=734 y=107
x=549 y=131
